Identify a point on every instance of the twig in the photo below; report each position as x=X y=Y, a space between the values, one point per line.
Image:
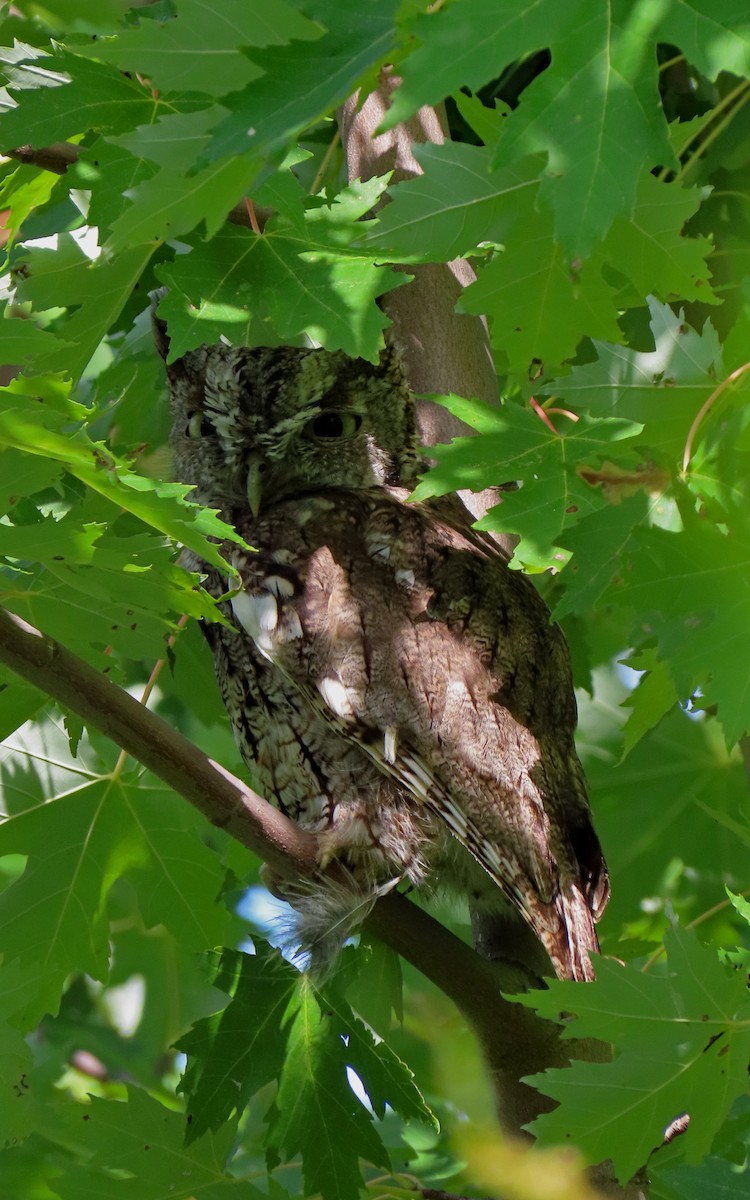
x=58 y=157
x=704 y=916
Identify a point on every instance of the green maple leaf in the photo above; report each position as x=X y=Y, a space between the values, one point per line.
x=32 y=423
x=299 y=87
x=651 y=250
x=514 y=444
x=662 y=388
x=681 y=1043
x=52 y=918
x=18 y=702
x=277 y=1025
x=386 y=1079
x=174 y=141
x=282 y=275
x=61 y=274
x=691 y=589
x=316 y=1113
x=178 y=876
x=594 y=112
x=468 y=43
x=241 y=1048
x=171 y=203
x=76 y=95
x=22 y=342
x=486 y=122
x=598 y=542
x=681 y=790
x=22 y=475
x=713 y=1179
x=92 y=830
x=651 y=699
x=144 y=1143
x=713 y=38
x=538 y=306
x=457 y=203
x=111 y=173
x=377 y=990
x=22 y=191
x=199 y=50
x=93 y=290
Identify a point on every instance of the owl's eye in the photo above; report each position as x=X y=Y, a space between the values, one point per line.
x=198 y=426
x=330 y=425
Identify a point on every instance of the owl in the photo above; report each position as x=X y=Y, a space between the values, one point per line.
x=393 y=686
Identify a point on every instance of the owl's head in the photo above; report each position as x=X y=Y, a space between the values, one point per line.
x=257 y=426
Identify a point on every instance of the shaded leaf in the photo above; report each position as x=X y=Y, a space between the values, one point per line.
x=144 y=1140
x=681 y=1045
x=300 y=86
x=457 y=203
x=239 y=1049
x=284 y=278
x=662 y=388
x=316 y=1112
x=553 y=495
x=87 y=95
x=692 y=589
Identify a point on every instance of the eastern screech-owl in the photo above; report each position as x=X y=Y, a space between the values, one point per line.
x=393 y=685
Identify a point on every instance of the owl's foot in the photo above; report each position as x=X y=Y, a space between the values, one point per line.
x=351 y=841
x=273 y=883
x=327 y=911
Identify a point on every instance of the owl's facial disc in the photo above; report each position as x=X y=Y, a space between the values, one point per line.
x=254 y=427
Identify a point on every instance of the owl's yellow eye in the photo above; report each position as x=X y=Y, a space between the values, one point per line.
x=328 y=426
x=198 y=426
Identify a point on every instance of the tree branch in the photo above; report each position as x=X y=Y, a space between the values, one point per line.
x=224 y=800
x=515 y=1041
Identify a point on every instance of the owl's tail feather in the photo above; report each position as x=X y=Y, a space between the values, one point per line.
x=570 y=936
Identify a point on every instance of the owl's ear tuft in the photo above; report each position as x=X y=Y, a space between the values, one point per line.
x=158 y=324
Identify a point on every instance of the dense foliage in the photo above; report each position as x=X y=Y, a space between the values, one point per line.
x=599 y=178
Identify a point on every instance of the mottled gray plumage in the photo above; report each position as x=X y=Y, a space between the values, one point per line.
x=393 y=685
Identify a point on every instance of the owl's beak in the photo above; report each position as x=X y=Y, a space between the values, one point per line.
x=255 y=468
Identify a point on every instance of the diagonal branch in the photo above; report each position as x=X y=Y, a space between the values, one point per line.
x=224 y=800
x=515 y=1041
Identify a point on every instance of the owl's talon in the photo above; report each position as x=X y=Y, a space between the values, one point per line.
x=272 y=882
x=325 y=855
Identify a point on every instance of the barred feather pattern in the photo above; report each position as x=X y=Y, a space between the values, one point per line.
x=393 y=686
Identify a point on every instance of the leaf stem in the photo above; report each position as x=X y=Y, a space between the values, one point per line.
x=251 y=216
x=324 y=163
x=734 y=101
x=705 y=408
x=537 y=408
x=704 y=916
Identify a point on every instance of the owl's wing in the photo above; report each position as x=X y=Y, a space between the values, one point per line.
x=416 y=641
